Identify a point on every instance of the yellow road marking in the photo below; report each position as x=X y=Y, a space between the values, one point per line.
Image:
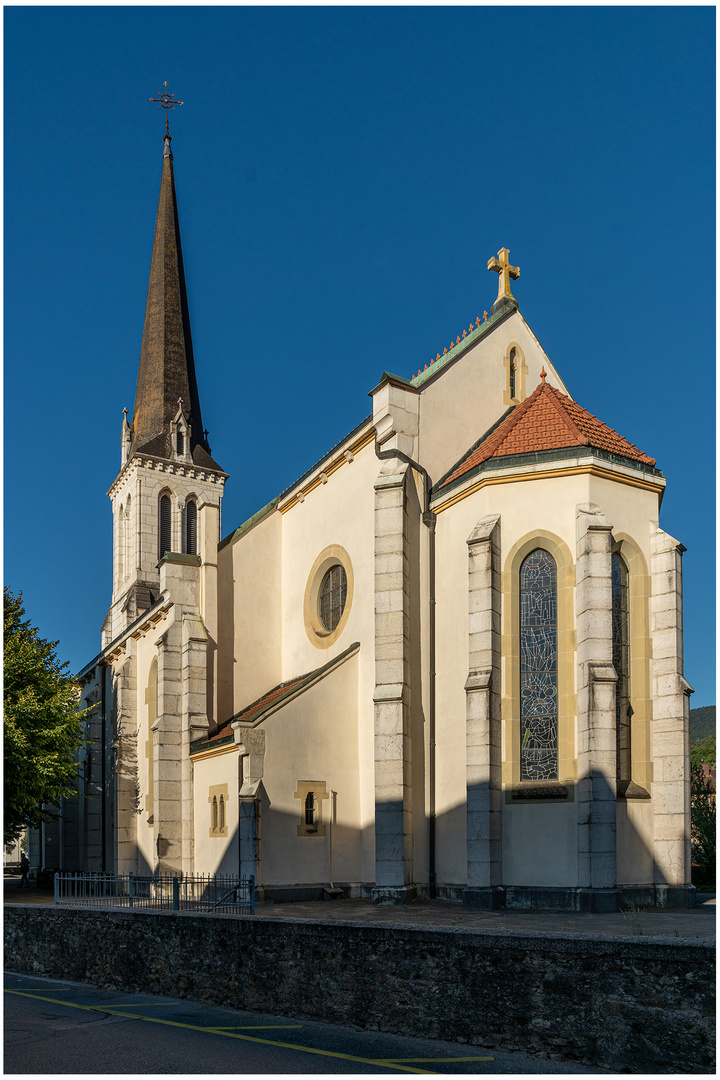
x=391 y=1061
x=141 y=1004
x=214 y=1031
x=256 y=1027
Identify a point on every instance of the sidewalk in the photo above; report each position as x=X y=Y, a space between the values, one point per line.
x=13 y=894
x=691 y=925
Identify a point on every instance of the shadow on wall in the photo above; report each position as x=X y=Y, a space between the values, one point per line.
x=533 y=846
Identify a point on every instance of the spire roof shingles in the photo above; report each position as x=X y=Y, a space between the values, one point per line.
x=166 y=371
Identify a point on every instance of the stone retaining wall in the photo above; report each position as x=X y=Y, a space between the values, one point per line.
x=646 y=1004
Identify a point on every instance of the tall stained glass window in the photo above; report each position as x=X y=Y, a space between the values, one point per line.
x=621 y=663
x=538 y=667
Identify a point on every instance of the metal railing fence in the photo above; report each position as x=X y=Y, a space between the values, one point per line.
x=220 y=893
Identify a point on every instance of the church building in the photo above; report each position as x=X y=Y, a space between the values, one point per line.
x=447 y=661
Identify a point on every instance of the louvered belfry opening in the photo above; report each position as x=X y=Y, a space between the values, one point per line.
x=180 y=443
x=165 y=525
x=191 y=528
x=333 y=594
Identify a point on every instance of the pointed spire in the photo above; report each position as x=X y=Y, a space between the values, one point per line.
x=166 y=370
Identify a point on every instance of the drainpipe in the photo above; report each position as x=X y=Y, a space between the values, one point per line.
x=429 y=520
x=102 y=765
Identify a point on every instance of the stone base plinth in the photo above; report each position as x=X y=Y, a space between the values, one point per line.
x=484 y=899
x=536 y=898
x=394 y=894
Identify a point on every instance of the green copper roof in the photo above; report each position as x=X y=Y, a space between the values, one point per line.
x=465 y=343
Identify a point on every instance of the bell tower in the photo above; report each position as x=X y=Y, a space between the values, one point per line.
x=167 y=496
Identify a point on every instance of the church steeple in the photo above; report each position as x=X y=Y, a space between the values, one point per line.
x=166 y=372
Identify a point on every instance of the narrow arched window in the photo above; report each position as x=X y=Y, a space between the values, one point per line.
x=621 y=663
x=222 y=811
x=165 y=525
x=191 y=528
x=512 y=373
x=180 y=443
x=121 y=545
x=310 y=808
x=214 y=813
x=128 y=537
x=538 y=667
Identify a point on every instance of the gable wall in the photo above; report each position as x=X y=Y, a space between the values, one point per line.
x=459 y=406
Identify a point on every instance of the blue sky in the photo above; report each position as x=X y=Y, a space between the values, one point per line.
x=343 y=175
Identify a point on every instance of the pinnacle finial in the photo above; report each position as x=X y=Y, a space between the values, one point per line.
x=543 y=374
x=166 y=101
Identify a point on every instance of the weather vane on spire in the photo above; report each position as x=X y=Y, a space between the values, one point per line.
x=166 y=101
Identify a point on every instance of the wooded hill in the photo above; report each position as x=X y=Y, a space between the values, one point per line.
x=702 y=723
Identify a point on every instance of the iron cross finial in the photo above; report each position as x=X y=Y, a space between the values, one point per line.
x=166 y=101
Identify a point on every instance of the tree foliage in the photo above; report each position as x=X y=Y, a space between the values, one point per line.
x=43 y=727
x=703 y=812
x=703 y=750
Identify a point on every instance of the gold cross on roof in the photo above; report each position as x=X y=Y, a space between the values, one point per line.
x=166 y=101
x=502 y=266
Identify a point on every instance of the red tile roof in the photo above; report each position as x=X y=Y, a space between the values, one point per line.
x=548 y=420
x=251 y=711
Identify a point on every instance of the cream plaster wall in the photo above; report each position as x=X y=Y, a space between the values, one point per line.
x=216 y=854
x=540 y=845
x=635 y=842
x=340 y=512
x=314 y=737
x=628 y=509
x=545 y=505
x=249 y=616
x=466 y=398
x=550 y=505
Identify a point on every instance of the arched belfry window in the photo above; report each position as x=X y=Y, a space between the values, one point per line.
x=512 y=372
x=180 y=443
x=191 y=528
x=621 y=663
x=165 y=525
x=538 y=667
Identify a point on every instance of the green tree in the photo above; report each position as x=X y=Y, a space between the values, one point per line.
x=43 y=727
x=703 y=827
x=703 y=750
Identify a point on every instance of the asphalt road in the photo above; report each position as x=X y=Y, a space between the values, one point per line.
x=54 y=1027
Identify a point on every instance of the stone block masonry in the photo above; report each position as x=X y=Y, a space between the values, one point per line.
x=647 y=1005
